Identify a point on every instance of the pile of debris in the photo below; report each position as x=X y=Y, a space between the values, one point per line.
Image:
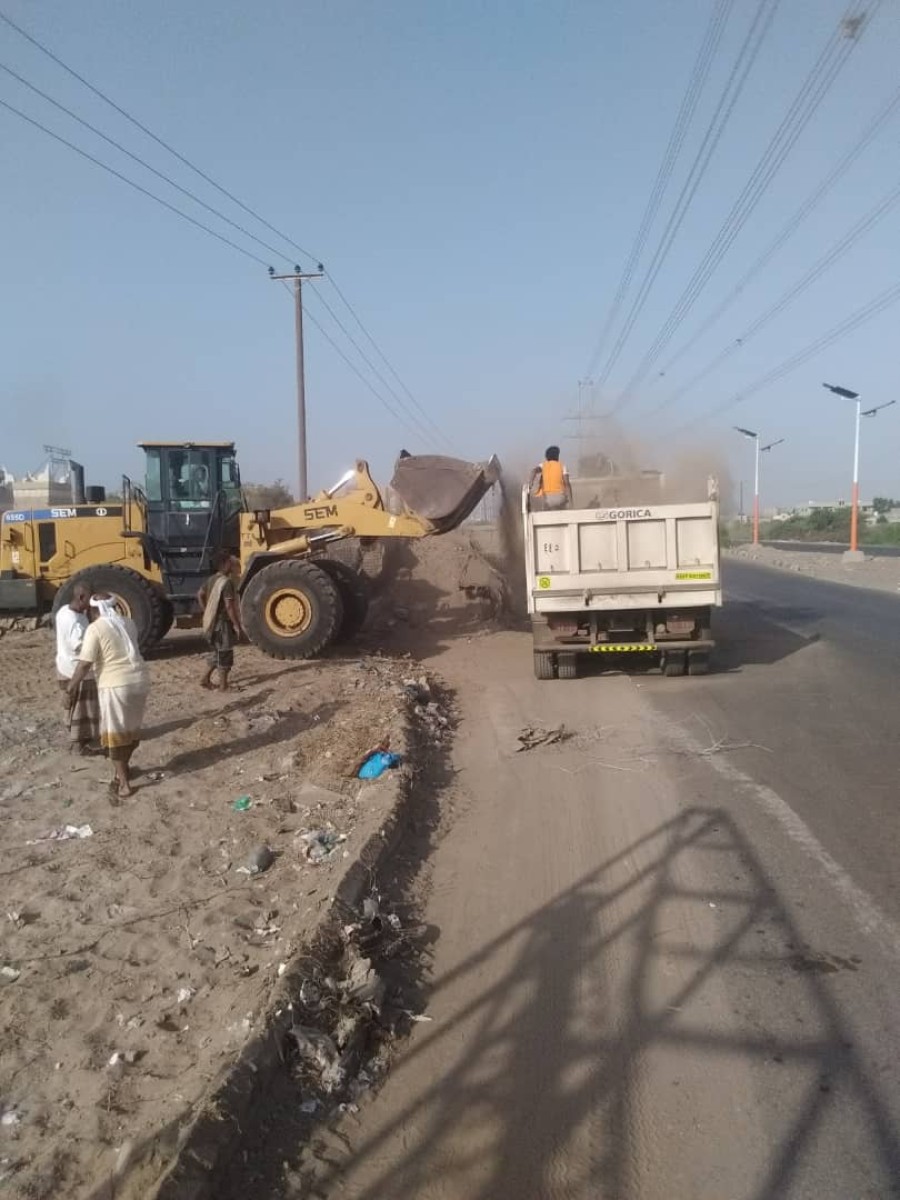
x=344 y=1016
x=430 y=713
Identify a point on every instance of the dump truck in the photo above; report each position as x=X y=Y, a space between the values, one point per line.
x=153 y=548
x=622 y=578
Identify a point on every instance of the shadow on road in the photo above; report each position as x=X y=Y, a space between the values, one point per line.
x=530 y=1069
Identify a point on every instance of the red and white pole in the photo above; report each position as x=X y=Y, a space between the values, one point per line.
x=854 y=497
x=756 y=496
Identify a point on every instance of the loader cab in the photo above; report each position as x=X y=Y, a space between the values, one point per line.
x=193 y=499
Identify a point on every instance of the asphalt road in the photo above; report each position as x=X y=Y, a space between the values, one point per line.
x=666 y=959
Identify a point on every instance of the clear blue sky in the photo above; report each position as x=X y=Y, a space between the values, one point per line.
x=473 y=175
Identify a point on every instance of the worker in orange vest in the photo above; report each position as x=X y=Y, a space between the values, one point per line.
x=554 y=490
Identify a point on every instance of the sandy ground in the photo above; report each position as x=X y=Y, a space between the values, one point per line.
x=883 y=574
x=139 y=958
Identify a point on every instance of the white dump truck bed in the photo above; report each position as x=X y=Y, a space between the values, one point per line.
x=624 y=579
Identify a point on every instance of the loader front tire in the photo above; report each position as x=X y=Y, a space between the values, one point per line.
x=292 y=609
x=136 y=597
x=354 y=596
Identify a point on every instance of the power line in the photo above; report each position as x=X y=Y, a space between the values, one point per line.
x=879 y=304
x=392 y=391
x=734 y=85
x=792 y=225
x=356 y=371
x=204 y=176
x=150 y=134
x=131 y=183
x=819 y=267
x=800 y=112
x=142 y=162
x=696 y=82
x=377 y=348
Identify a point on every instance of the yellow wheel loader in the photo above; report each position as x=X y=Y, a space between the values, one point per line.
x=153 y=549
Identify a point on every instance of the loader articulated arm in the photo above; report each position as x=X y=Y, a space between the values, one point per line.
x=428 y=495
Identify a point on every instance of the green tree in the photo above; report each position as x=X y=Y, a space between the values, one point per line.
x=268 y=495
x=882 y=505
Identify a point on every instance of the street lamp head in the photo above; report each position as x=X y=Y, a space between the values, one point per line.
x=746 y=432
x=870 y=412
x=841 y=391
x=770 y=446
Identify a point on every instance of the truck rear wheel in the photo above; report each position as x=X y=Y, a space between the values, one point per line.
x=354 y=595
x=544 y=664
x=567 y=666
x=698 y=663
x=291 y=609
x=136 y=597
x=674 y=664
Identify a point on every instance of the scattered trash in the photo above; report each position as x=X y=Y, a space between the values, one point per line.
x=531 y=737
x=417 y=1018
x=322 y=843
x=64 y=834
x=282 y=968
x=318 y=1051
x=348 y=1108
x=377 y=763
x=711 y=905
x=309 y=1107
x=434 y=719
x=417 y=690
x=242 y=804
x=184 y=994
x=258 y=860
x=125 y=1056
x=156 y=776
x=23 y=918
x=10 y=1118
x=9 y=974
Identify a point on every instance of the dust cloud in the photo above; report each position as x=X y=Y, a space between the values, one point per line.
x=615 y=468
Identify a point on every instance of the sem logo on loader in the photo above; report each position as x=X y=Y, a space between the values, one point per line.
x=320 y=513
x=544 y=582
x=693 y=574
x=621 y=514
x=58 y=514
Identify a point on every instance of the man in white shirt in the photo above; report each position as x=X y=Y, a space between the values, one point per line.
x=82 y=709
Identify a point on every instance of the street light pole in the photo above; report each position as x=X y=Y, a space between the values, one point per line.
x=854 y=491
x=297 y=278
x=756 y=493
x=758 y=450
x=854 y=499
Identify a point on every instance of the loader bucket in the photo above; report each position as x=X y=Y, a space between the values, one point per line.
x=444 y=491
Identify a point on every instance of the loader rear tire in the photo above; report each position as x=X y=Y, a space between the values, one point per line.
x=544 y=664
x=354 y=596
x=144 y=602
x=292 y=609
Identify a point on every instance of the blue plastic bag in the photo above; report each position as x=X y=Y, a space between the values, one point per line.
x=379 y=762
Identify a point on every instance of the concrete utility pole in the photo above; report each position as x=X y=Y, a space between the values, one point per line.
x=297 y=277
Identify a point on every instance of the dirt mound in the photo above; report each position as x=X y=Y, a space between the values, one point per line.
x=432 y=591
